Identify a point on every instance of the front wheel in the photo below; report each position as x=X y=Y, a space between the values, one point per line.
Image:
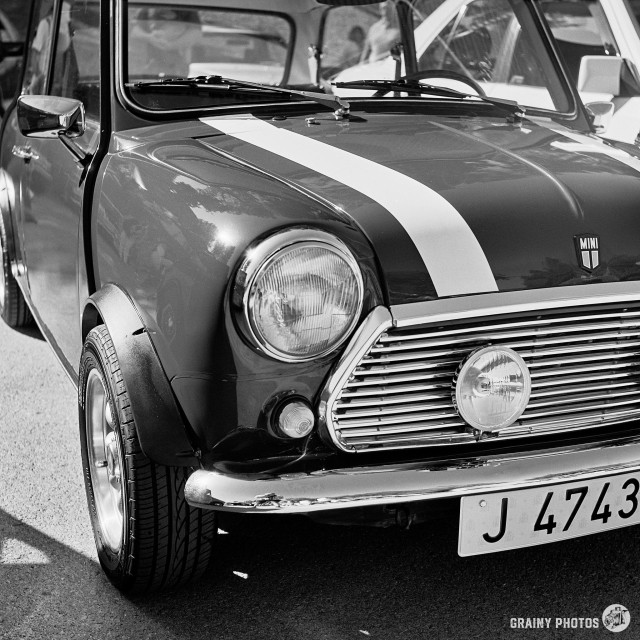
x=147 y=536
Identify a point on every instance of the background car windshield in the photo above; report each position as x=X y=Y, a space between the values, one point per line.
x=475 y=46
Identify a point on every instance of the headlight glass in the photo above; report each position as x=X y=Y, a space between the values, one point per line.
x=303 y=300
x=492 y=388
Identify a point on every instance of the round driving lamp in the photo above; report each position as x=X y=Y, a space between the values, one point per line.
x=491 y=388
x=299 y=294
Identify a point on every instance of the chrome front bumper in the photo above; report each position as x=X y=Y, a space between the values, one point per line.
x=409 y=482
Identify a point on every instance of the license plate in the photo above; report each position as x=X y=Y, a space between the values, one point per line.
x=527 y=517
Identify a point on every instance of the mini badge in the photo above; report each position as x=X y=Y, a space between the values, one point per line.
x=588 y=251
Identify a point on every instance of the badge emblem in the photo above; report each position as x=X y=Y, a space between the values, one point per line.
x=588 y=251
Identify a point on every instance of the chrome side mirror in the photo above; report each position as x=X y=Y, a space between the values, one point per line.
x=50 y=117
x=600 y=115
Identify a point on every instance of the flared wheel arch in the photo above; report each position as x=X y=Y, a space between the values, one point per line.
x=164 y=435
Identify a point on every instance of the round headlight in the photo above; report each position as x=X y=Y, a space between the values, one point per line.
x=492 y=388
x=301 y=294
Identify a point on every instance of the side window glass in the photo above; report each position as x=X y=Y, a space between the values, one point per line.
x=35 y=79
x=76 y=68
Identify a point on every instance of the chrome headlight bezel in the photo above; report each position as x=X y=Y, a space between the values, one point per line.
x=261 y=257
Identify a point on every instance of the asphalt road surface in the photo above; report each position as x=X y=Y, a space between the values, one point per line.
x=275 y=578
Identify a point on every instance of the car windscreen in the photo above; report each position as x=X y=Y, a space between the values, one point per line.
x=177 y=41
x=482 y=46
x=491 y=47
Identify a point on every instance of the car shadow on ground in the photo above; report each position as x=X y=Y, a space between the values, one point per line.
x=289 y=578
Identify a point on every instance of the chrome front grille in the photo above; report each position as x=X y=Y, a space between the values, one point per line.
x=584 y=364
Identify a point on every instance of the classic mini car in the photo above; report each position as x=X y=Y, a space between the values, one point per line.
x=598 y=40
x=292 y=298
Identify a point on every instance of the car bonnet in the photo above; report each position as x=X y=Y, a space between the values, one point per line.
x=456 y=206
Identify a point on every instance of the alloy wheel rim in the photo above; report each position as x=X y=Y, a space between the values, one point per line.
x=105 y=461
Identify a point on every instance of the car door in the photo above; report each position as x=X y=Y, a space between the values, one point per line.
x=51 y=179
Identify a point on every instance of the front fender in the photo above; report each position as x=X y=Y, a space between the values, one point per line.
x=163 y=434
x=7 y=205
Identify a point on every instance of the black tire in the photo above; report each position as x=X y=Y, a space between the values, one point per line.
x=162 y=542
x=13 y=307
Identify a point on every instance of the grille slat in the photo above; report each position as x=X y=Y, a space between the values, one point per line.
x=568 y=390
x=416 y=351
x=398 y=418
x=566 y=335
x=534 y=411
x=575 y=320
x=585 y=372
x=382 y=401
x=384 y=390
x=361 y=432
x=399 y=379
x=423 y=365
x=546 y=381
x=542 y=374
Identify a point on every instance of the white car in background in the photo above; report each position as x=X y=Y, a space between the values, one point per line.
x=599 y=40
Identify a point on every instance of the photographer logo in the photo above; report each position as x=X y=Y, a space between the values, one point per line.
x=616 y=618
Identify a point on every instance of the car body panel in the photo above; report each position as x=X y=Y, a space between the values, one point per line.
x=183 y=234
x=49 y=228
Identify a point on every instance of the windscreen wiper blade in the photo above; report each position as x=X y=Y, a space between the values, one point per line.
x=339 y=105
x=407 y=85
